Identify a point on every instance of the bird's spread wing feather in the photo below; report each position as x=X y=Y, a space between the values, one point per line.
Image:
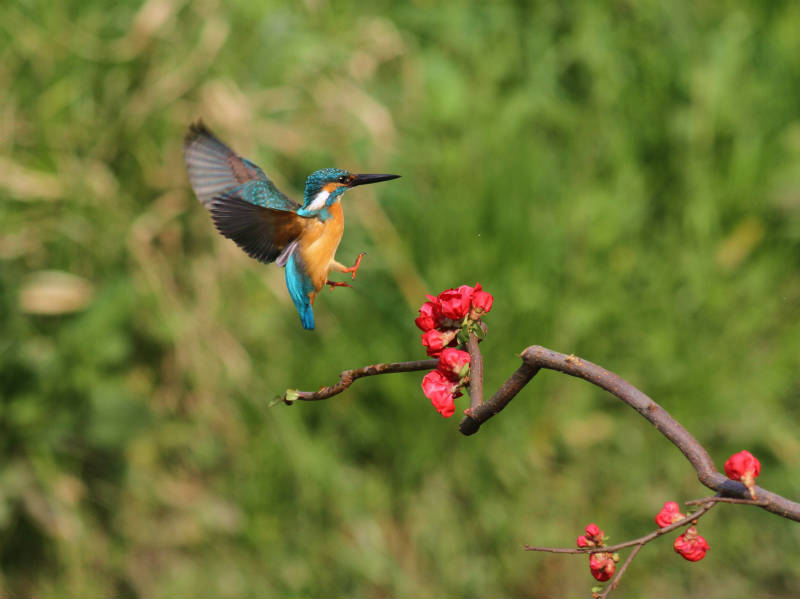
x=264 y=233
x=215 y=170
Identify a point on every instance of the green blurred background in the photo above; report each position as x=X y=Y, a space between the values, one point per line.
x=623 y=177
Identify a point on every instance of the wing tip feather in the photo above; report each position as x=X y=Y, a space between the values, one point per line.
x=197 y=130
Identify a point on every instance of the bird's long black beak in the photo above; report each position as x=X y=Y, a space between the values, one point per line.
x=364 y=179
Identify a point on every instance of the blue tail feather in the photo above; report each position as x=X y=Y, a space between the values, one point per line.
x=299 y=285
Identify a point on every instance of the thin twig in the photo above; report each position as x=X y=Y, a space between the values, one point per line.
x=718 y=499
x=643 y=540
x=347 y=377
x=475 y=372
x=615 y=581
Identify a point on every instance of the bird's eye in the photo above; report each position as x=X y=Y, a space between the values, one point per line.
x=342 y=179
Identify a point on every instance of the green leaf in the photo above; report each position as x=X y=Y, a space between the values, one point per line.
x=290 y=396
x=477 y=329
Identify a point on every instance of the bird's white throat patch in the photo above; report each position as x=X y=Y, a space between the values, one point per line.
x=319 y=200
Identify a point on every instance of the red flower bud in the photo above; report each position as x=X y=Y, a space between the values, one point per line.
x=435 y=341
x=602 y=566
x=594 y=533
x=441 y=391
x=744 y=467
x=453 y=363
x=670 y=513
x=594 y=537
x=481 y=302
x=690 y=545
x=455 y=303
x=429 y=316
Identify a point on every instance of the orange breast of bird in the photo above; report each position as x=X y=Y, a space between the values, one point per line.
x=318 y=244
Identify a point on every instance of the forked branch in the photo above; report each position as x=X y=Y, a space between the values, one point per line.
x=536 y=357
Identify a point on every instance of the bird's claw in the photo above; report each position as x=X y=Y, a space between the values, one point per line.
x=337 y=284
x=353 y=269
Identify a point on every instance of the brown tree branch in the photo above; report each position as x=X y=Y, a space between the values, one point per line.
x=536 y=357
x=718 y=499
x=480 y=414
x=475 y=372
x=614 y=582
x=347 y=377
x=706 y=505
x=643 y=540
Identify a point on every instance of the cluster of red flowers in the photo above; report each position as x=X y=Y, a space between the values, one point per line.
x=444 y=384
x=742 y=466
x=445 y=321
x=442 y=317
x=601 y=564
x=690 y=545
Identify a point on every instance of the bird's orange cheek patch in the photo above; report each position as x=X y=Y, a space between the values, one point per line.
x=331 y=187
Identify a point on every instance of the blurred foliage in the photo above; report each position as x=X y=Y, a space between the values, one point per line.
x=623 y=177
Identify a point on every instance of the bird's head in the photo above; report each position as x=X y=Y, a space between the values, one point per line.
x=326 y=186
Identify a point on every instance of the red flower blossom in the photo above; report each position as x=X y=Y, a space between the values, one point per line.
x=429 y=316
x=593 y=530
x=441 y=391
x=453 y=363
x=481 y=302
x=670 y=513
x=602 y=566
x=594 y=537
x=435 y=341
x=455 y=303
x=690 y=545
x=744 y=467
x=441 y=319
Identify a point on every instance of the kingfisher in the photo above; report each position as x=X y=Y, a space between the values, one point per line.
x=247 y=207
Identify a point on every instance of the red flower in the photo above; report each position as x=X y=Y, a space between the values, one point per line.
x=453 y=363
x=440 y=390
x=429 y=316
x=602 y=566
x=435 y=341
x=670 y=513
x=593 y=530
x=455 y=303
x=690 y=545
x=481 y=302
x=594 y=537
x=744 y=467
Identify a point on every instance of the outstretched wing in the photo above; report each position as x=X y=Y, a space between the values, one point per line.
x=215 y=170
x=263 y=233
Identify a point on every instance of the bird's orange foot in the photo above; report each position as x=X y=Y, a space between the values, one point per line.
x=353 y=269
x=337 y=284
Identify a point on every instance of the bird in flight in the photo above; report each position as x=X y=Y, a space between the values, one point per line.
x=247 y=208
